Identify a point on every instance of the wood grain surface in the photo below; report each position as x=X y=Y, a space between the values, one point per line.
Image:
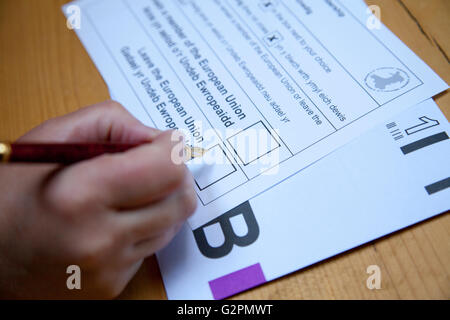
x=45 y=72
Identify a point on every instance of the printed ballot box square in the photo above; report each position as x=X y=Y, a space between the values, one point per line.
x=253 y=143
x=273 y=38
x=217 y=167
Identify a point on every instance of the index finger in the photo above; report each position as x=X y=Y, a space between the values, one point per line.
x=107 y=121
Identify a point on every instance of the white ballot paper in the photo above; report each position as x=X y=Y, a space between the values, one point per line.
x=268 y=87
x=393 y=176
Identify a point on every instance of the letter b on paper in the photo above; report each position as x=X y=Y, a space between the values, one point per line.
x=230 y=237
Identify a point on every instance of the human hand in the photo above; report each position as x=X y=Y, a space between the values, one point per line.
x=105 y=215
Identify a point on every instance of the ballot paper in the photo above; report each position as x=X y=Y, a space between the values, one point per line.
x=267 y=87
x=393 y=176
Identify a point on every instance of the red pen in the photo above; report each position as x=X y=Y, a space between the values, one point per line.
x=68 y=153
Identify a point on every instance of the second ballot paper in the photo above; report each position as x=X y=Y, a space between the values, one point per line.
x=268 y=87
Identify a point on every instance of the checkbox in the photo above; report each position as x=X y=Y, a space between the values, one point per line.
x=273 y=38
x=211 y=173
x=253 y=143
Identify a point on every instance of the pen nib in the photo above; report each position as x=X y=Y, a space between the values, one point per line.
x=194 y=152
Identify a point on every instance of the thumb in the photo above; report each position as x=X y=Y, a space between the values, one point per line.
x=131 y=179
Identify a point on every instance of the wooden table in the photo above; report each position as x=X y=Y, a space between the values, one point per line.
x=45 y=72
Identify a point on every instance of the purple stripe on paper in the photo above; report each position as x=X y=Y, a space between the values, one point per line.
x=237 y=281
